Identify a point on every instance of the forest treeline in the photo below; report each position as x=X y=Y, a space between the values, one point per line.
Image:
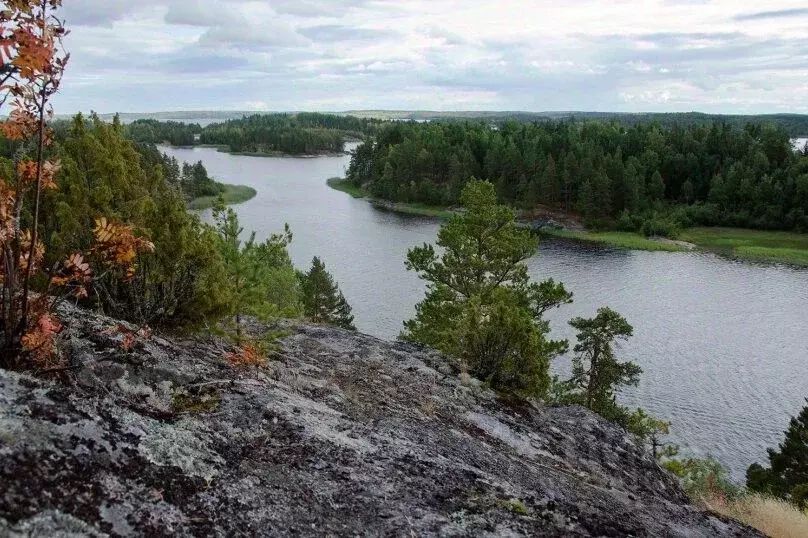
x=304 y=133
x=795 y=125
x=630 y=177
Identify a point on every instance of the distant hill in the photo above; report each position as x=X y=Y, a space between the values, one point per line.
x=795 y=124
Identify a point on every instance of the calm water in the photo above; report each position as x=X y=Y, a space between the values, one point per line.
x=723 y=344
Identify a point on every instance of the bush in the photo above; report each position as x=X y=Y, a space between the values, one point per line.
x=660 y=227
x=799 y=496
x=704 y=479
x=628 y=222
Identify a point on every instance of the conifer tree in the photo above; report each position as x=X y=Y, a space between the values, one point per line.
x=787 y=474
x=323 y=302
x=254 y=273
x=550 y=188
x=656 y=187
x=480 y=306
x=596 y=372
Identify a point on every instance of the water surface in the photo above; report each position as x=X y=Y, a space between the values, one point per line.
x=723 y=344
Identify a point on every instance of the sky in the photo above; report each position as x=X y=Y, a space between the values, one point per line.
x=719 y=56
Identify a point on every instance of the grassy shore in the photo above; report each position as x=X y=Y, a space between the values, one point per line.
x=233 y=194
x=421 y=210
x=773 y=246
x=223 y=148
x=343 y=185
x=625 y=240
x=753 y=245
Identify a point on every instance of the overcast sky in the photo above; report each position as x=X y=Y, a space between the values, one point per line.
x=723 y=56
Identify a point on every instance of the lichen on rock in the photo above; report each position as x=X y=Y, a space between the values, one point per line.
x=342 y=434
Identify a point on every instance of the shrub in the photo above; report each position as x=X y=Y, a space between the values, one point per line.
x=799 y=496
x=657 y=226
x=33 y=65
x=704 y=479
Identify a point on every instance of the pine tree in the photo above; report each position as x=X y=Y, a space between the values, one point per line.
x=586 y=200
x=631 y=189
x=323 y=302
x=254 y=273
x=656 y=187
x=596 y=372
x=480 y=306
x=550 y=186
x=688 y=193
x=787 y=476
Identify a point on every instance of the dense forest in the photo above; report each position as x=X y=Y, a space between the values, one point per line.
x=304 y=133
x=156 y=132
x=645 y=175
x=795 y=124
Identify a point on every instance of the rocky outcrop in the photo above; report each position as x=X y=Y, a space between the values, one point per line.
x=340 y=435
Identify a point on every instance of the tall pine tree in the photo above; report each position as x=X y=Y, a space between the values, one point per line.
x=323 y=302
x=596 y=372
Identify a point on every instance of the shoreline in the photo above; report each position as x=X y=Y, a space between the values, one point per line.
x=223 y=148
x=421 y=210
x=232 y=195
x=742 y=244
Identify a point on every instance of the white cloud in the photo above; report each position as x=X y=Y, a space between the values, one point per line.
x=714 y=56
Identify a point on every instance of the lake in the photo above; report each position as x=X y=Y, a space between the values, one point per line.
x=723 y=344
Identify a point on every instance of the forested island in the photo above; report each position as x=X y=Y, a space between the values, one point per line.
x=304 y=133
x=645 y=179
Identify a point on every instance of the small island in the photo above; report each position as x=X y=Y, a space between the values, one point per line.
x=261 y=135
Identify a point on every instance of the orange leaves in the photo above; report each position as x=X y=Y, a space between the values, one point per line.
x=116 y=245
x=31 y=68
x=76 y=274
x=130 y=338
x=40 y=340
x=35 y=51
x=21 y=123
x=30 y=46
x=7 y=198
x=28 y=171
x=25 y=252
x=247 y=355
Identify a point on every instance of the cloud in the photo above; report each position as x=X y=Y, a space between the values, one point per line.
x=435 y=54
x=314 y=8
x=266 y=34
x=778 y=14
x=203 y=13
x=337 y=33
x=101 y=12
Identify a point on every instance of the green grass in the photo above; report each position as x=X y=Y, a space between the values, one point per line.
x=627 y=240
x=343 y=185
x=233 y=194
x=762 y=245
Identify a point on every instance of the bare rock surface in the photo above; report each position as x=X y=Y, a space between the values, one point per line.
x=340 y=435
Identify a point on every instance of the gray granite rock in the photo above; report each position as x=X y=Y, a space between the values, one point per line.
x=340 y=435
